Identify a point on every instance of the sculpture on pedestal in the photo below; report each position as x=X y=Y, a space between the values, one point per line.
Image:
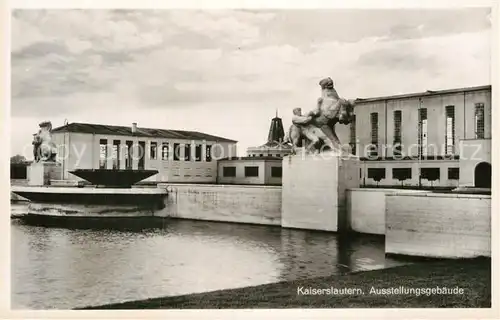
x=44 y=149
x=318 y=126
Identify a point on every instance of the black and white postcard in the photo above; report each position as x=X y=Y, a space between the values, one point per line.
x=319 y=160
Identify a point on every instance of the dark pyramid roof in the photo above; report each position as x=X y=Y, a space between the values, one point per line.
x=141 y=132
x=276 y=135
x=276 y=131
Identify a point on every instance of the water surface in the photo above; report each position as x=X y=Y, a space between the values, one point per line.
x=56 y=268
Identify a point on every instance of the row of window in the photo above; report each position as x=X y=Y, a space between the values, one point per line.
x=422 y=130
x=115 y=154
x=251 y=171
x=267 y=155
x=139 y=150
x=401 y=174
x=165 y=152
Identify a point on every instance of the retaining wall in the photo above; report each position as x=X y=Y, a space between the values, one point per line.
x=228 y=203
x=438 y=225
x=366 y=208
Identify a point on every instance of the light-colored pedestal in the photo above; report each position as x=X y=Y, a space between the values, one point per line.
x=314 y=190
x=40 y=173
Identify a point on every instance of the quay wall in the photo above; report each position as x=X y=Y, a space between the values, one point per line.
x=438 y=225
x=227 y=203
x=414 y=222
x=366 y=208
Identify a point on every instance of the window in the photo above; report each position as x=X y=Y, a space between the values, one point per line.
x=450 y=129
x=177 y=151
x=374 y=127
x=453 y=173
x=208 y=155
x=397 y=150
x=141 y=154
x=352 y=135
x=128 y=155
x=401 y=173
x=479 y=120
x=397 y=133
x=376 y=174
x=422 y=132
x=164 y=151
x=116 y=154
x=187 y=152
x=397 y=126
x=103 y=153
x=374 y=133
x=153 y=148
x=229 y=171
x=430 y=174
x=197 y=156
x=261 y=154
x=276 y=172
x=251 y=171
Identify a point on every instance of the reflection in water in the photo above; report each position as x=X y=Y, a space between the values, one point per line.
x=62 y=268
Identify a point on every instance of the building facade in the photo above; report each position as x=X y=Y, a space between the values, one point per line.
x=250 y=170
x=179 y=156
x=262 y=165
x=432 y=138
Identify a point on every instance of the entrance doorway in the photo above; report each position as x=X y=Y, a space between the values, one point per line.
x=482 y=175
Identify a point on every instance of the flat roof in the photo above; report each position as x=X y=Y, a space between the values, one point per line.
x=251 y=158
x=91 y=128
x=423 y=94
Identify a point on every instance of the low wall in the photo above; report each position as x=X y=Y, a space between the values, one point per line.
x=228 y=203
x=438 y=225
x=17 y=182
x=366 y=208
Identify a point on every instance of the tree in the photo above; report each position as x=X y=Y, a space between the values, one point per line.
x=431 y=174
x=17 y=159
x=376 y=174
x=401 y=174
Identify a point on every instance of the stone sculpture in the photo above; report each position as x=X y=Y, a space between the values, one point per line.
x=318 y=126
x=44 y=149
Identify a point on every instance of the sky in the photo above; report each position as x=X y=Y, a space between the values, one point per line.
x=227 y=72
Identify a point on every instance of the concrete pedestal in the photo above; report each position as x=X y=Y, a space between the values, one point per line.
x=40 y=173
x=314 y=190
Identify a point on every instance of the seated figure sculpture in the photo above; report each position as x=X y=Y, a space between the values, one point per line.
x=303 y=127
x=44 y=149
x=318 y=125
